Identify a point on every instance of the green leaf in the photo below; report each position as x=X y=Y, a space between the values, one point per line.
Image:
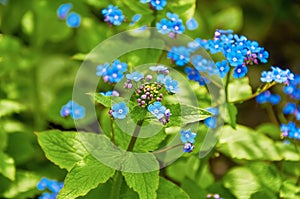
x=57 y=144
x=7 y=166
x=239 y=89
x=229 y=18
x=241 y=182
x=138 y=113
x=289 y=190
x=292 y=168
x=8 y=107
x=185 y=114
x=145 y=184
x=106 y=101
x=244 y=143
x=169 y=190
x=232 y=113
x=184 y=8
x=193 y=189
x=85 y=176
x=269 y=175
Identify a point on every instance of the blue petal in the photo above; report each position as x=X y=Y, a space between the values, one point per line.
x=192 y=24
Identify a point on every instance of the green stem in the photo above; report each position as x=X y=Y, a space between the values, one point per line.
x=112 y=130
x=117 y=184
x=135 y=135
x=203 y=163
x=227 y=84
x=266 y=87
x=271 y=114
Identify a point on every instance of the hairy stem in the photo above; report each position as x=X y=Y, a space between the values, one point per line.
x=112 y=130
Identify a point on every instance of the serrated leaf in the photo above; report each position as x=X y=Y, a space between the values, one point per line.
x=145 y=184
x=7 y=166
x=244 y=143
x=57 y=144
x=86 y=175
x=241 y=182
x=8 y=107
x=169 y=190
x=269 y=129
x=287 y=151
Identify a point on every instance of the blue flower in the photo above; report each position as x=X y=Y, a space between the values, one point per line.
x=52 y=185
x=223 y=68
x=211 y=122
x=235 y=57
x=267 y=76
x=171 y=85
x=135 y=19
x=164 y=26
x=192 y=24
x=73 y=109
x=263 y=55
x=157 y=109
x=293 y=89
x=215 y=46
x=161 y=78
x=177 y=27
x=192 y=74
x=267 y=96
x=119 y=110
x=110 y=93
x=113 y=15
x=290 y=108
x=135 y=76
x=120 y=66
x=180 y=55
x=240 y=71
x=63 y=10
x=290 y=130
x=159 y=69
x=188 y=147
x=187 y=136
x=158 y=4
x=73 y=20
x=200 y=63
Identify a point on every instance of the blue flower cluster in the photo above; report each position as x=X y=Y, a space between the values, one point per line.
x=113 y=15
x=179 y=55
x=238 y=51
x=188 y=138
x=267 y=96
x=113 y=73
x=290 y=130
x=293 y=88
x=73 y=109
x=52 y=185
x=119 y=110
x=155 y=4
x=204 y=65
x=160 y=112
x=172 y=26
x=278 y=75
x=211 y=122
x=72 y=19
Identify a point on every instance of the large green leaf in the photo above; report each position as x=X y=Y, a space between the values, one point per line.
x=241 y=182
x=7 y=166
x=86 y=175
x=145 y=184
x=169 y=190
x=289 y=190
x=228 y=18
x=244 y=143
x=288 y=151
x=65 y=149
